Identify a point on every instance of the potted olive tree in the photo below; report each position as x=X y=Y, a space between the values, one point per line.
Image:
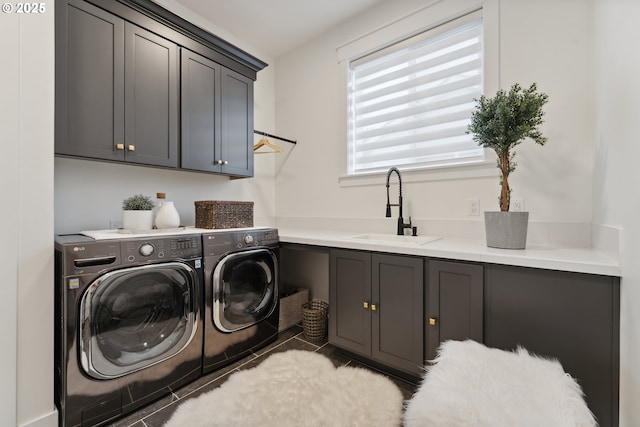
x=137 y=213
x=501 y=123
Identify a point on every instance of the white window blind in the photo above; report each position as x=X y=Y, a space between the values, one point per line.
x=411 y=102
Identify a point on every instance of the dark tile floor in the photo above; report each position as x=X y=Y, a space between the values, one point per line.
x=157 y=413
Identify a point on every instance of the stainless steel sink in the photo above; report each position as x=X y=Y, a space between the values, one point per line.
x=395 y=239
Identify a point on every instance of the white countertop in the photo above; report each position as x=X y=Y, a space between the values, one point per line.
x=553 y=258
x=121 y=233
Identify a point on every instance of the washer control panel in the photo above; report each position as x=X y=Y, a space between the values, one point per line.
x=183 y=247
x=147 y=249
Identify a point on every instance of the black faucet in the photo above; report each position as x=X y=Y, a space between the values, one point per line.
x=401 y=224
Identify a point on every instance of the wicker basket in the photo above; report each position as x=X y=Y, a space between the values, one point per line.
x=314 y=319
x=223 y=214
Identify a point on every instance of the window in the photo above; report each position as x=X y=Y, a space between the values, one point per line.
x=410 y=103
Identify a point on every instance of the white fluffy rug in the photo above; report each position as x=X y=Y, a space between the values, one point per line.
x=296 y=388
x=472 y=385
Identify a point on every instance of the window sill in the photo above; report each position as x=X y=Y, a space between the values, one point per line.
x=483 y=169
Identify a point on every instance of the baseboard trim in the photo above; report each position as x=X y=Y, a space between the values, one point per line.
x=49 y=419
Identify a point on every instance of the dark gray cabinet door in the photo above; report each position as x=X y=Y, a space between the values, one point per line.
x=375 y=307
x=349 y=300
x=200 y=124
x=89 y=111
x=118 y=94
x=454 y=303
x=116 y=88
x=397 y=312
x=151 y=98
x=237 y=124
x=568 y=316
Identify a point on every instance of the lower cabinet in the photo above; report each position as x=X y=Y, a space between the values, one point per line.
x=571 y=317
x=382 y=308
x=454 y=304
x=376 y=307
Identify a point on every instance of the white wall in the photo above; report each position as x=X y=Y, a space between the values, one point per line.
x=616 y=199
x=89 y=194
x=9 y=173
x=546 y=41
x=26 y=84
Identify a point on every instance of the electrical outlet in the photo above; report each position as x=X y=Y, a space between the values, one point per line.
x=473 y=207
x=517 y=205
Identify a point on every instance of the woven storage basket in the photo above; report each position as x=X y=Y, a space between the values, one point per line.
x=223 y=214
x=314 y=319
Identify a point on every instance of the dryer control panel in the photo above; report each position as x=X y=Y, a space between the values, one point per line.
x=218 y=243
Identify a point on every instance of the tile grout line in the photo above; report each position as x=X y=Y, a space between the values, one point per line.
x=180 y=399
x=251 y=358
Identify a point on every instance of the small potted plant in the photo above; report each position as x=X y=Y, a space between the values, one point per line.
x=501 y=123
x=137 y=213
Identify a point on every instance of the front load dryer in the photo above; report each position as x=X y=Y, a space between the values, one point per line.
x=241 y=293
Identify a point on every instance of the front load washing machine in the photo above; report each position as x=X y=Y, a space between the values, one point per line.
x=128 y=323
x=241 y=293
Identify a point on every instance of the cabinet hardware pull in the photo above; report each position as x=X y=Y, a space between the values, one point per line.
x=365 y=305
x=219 y=162
x=373 y=307
x=432 y=321
x=226 y=162
x=119 y=146
x=132 y=148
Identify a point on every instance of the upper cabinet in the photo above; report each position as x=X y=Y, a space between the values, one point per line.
x=217 y=117
x=150 y=98
x=237 y=124
x=89 y=82
x=137 y=84
x=200 y=101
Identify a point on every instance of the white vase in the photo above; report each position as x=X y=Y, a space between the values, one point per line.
x=167 y=216
x=137 y=220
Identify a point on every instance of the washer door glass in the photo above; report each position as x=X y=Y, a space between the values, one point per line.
x=245 y=289
x=136 y=317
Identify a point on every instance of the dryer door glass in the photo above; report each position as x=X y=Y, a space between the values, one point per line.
x=136 y=317
x=245 y=289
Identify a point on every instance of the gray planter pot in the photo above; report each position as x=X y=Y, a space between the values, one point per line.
x=506 y=230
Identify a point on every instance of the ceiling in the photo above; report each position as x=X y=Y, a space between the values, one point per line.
x=277 y=26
